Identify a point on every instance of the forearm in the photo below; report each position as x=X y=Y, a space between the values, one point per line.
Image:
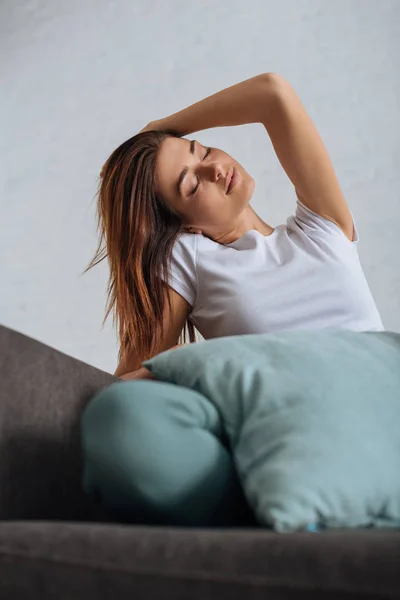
x=242 y=103
x=139 y=372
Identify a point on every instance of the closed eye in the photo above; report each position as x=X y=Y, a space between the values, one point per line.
x=198 y=180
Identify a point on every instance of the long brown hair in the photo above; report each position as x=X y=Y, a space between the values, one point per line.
x=137 y=233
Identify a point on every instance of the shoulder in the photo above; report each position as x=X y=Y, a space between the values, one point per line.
x=182 y=273
x=316 y=227
x=195 y=246
x=185 y=239
x=184 y=245
x=184 y=255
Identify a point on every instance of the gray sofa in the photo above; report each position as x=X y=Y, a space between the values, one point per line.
x=56 y=543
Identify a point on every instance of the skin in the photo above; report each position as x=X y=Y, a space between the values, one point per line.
x=211 y=212
x=268 y=99
x=144 y=373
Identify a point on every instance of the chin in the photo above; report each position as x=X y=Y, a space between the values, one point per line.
x=249 y=188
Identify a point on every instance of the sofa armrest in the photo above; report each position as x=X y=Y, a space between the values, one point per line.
x=42 y=395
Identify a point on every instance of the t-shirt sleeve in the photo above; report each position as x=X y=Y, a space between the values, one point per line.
x=314 y=225
x=182 y=271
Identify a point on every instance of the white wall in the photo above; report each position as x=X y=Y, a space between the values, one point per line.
x=80 y=76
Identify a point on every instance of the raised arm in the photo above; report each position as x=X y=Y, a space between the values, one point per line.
x=270 y=100
x=245 y=102
x=303 y=156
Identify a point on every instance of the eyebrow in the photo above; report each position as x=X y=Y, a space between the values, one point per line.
x=186 y=169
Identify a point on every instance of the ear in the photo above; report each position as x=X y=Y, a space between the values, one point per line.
x=190 y=229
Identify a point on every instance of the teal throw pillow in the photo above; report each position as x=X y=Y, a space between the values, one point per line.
x=313 y=420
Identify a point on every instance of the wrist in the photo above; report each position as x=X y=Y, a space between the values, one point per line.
x=169 y=123
x=141 y=373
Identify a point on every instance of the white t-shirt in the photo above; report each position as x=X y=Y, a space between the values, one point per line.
x=305 y=275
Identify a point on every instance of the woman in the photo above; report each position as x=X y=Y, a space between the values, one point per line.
x=185 y=247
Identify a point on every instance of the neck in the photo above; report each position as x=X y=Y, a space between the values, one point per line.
x=248 y=220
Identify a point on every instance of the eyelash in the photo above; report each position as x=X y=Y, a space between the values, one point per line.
x=198 y=182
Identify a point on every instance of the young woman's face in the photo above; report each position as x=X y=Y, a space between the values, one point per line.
x=197 y=183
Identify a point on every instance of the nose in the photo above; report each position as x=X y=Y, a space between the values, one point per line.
x=214 y=170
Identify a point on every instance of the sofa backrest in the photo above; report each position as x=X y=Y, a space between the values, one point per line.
x=42 y=395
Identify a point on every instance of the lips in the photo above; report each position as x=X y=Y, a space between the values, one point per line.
x=228 y=179
x=233 y=179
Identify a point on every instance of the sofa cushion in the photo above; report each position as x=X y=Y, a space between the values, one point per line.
x=60 y=561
